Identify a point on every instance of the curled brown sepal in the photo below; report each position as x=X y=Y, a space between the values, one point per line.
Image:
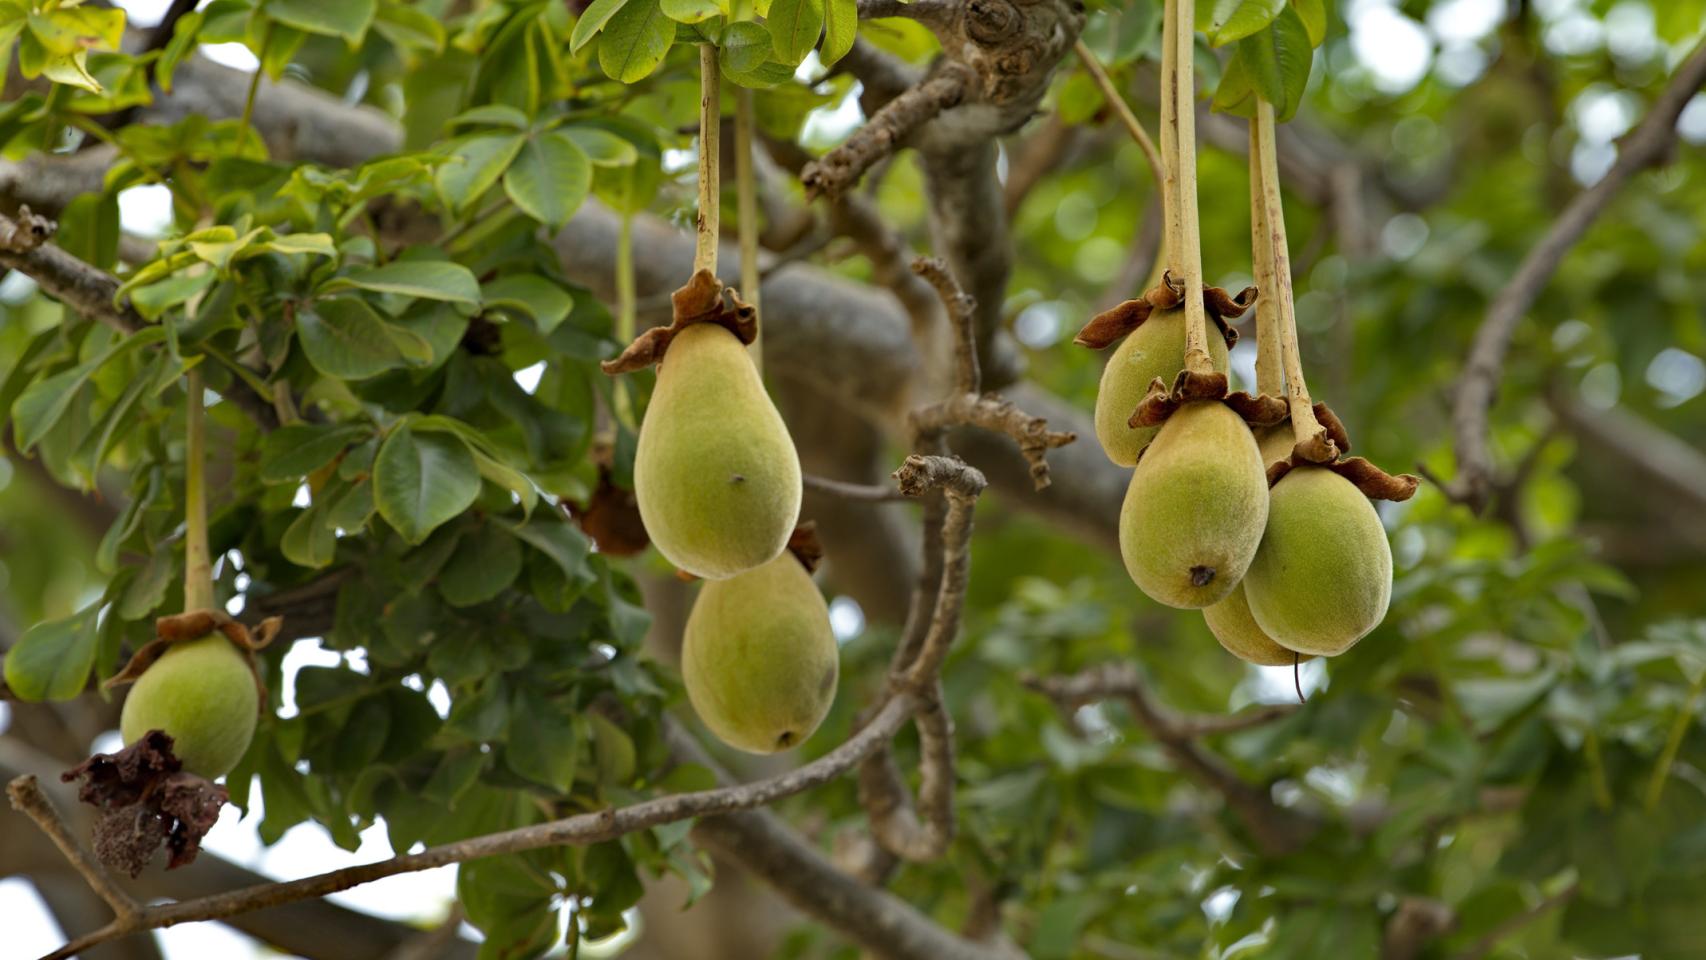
x=805 y=546
x=1375 y=483
x=611 y=515
x=1110 y=325
x=1318 y=448
x=193 y=625
x=703 y=300
x=146 y=800
x=1258 y=410
x=1334 y=427
x=1159 y=404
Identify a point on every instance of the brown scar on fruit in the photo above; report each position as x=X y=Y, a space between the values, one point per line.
x=1110 y=325
x=193 y=625
x=146 y=800
x=703 y=300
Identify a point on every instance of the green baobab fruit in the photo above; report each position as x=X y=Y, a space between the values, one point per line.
x=1275 y=442
x=1231 y=623
x=1323 y=576
x=202 y=694
x=1154 y=349
x=1195 y=509
x=715 y=472
x=758 y=657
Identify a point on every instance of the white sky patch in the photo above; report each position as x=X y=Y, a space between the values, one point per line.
x=1465 y=21
x=30 y=928
x=1574 y=33
x=1218 y=906
x=143 y=13
x=830 y=124
x=15 y=288
x=1590 y=161
x=1403 y=236
x=145 y=210
x=1691 y=126
x=233 y=55
x=303 y=498
x=303 y=653
x=1630 y=33
x=1602 y=386
x=1678 y=374
x=1038 y=325
x=1277 y=685
x=846 y=618
x=675 y=161
x=528 y=377
x=1603 y=114
x=1461 y=64
x=1394 y=48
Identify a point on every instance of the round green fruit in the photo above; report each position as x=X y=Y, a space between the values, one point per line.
x=1155 y=349
x=1323 y=576
x=758 y=658
x=202 y=694
x=1231 y=623
x=1195 y=510
x=716 y=476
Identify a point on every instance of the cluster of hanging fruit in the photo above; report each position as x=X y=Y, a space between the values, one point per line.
x=718 y=486
x=1241 y=504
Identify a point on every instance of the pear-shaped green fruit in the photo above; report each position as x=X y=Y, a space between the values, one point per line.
x=1323 y=576
x=202 y=694
x=715 y=472
x=1195 y=509
x=1154 y=349
x=758 y=657
x=1275 y=442
x=1231 y=623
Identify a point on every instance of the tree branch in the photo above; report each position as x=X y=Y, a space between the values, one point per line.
x=886 y=131
x=1276 y=830
x=28 y=799
x=1645 y=147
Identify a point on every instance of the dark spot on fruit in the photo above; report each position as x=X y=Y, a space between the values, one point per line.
x=1202 y=576
x=737 y=478
x=827 y=681
x=786 y=740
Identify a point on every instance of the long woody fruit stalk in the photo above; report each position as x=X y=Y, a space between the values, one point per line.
x=1181 y=234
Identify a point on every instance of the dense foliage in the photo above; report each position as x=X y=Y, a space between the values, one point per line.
x=409 y=402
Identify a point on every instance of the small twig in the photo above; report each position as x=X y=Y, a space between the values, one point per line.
x=961 y=306
x=1512 y=924
x=868 y=493
x=992 y=413
x=842 y=167
x=1646 y=146
x=243 y=124
x=198 y=565
x=1116 y=101
x=28 y=799
x=1673 y=742
x=1275 y=829
x=895 y=824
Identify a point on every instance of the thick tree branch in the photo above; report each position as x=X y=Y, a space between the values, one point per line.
x=1276 y=830
x=886 y=132
x=1647 y=146
x=25 y=246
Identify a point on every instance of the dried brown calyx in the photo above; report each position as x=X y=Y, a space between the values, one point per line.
x=193 y=625
x=1107 y=327
x=146 y=801
x=1327 y=449
x=704 y=299
x=611 y=515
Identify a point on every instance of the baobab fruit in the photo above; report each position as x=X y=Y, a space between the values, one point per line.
x=202 y=694
x=1155 y=349
x=1323 y=576
x=715 y=472
x=1275 y=442
x=758 y=657
x=1195 y=509
x=1231 y=623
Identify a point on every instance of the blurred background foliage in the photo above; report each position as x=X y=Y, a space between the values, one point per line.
x=1519 y=744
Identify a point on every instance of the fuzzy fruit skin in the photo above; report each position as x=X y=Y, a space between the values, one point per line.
x=1154 y=349
x=202 y=693
x=715 y=472
x=1323 y=576
x=758 y=658
x=1195 y=510
x=1231 y=623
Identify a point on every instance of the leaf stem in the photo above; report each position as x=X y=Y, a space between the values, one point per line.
x=625 y=300
x=1181 y=235
x=1305 y=428
x=1270 y=381
x=1673 y=743
x=254 y=88
x=746 y=203
x=1596 y=770
x=710 y=120
x=1116 y=100
x=198 y=565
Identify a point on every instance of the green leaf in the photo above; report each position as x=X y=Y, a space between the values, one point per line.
x=294 y=451
x=492 y=114
x=72 y=70
x=344 y=338
x=309 y=540
x=562 y=542
x=794 y=28
x=1227 y=20
x=598 y=13
x=1313 y=13
x=41 y=406
x=547 y=303
x=183 y=42
x=409 y=27
x=348 y=19
x=1272 y=64
x=550 y=179
x=746 y=46
x=485 y=562
x=51 y=660
x=320 y=243
x=550 y=752
x=474 y=165
x=636 y=40
x=606 y=149
x=422 y=480
x=690 y=11
x=427 y=279
x=840 y=27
